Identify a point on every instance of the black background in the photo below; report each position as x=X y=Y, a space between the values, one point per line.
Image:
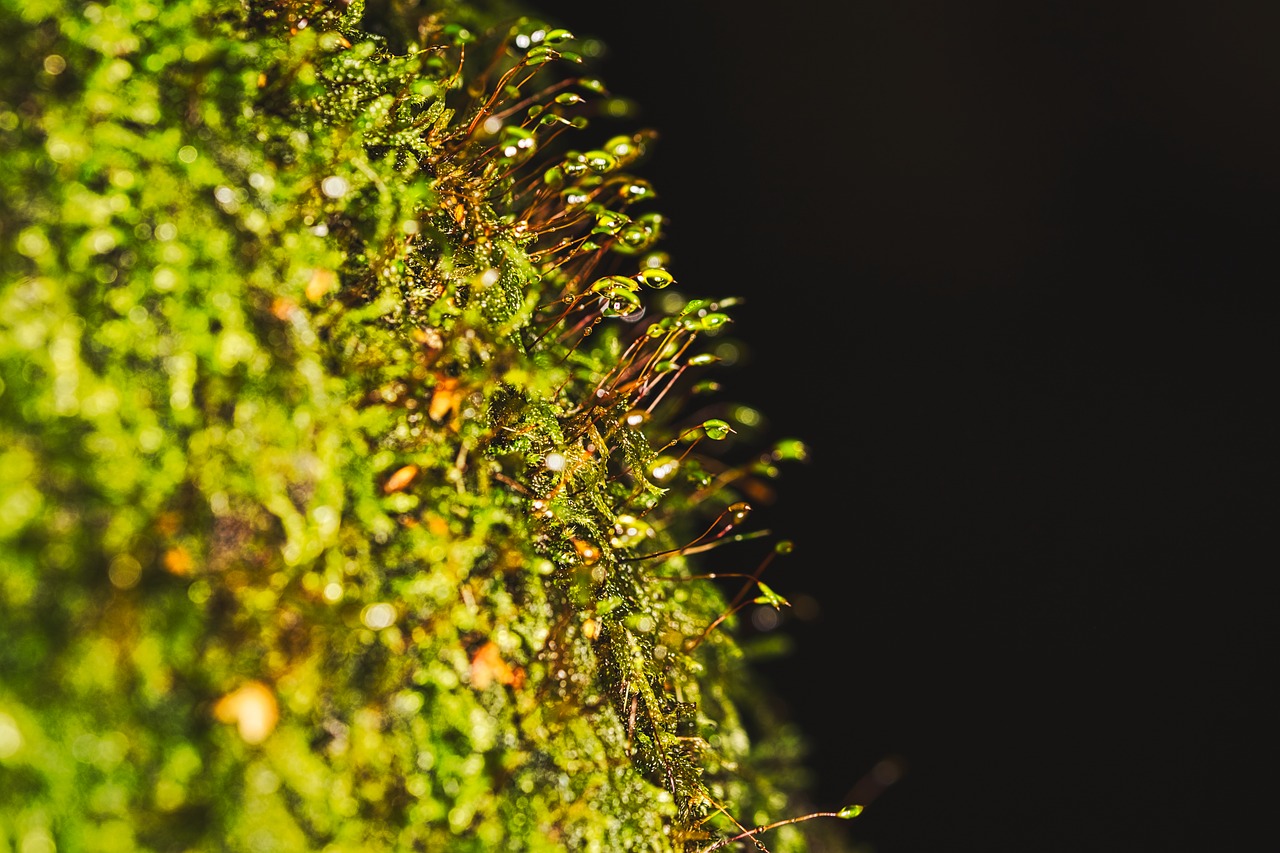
x=1009 y=270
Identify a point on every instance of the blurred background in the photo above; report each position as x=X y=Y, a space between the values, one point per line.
x=1010 y=270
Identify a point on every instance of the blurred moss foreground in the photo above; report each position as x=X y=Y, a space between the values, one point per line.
x=344 y=503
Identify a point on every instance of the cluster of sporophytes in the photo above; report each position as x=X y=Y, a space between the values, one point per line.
x=351 y=486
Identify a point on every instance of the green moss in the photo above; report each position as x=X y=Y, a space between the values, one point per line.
x=344 y=502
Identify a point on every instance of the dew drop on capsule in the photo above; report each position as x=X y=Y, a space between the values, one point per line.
x=636 y=235
x=600 y=161
x=716 y=429
x=574 y=166
x=636 y=190
x=621 y=147
x=712 y=321
x=655 y=277
x=621 y=303
x=611 y=282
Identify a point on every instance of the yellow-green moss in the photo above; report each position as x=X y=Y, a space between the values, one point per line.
x=333 y=458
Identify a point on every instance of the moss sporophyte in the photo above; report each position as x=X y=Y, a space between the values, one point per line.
x=350 y=497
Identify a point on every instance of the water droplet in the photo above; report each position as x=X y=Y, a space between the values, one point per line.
x=636 y=190
x=609 y=222
x=621 y=303
x=655 y=277
x=693 y=306
x=637 y=235
x=737 y=512
x=622 y=147
x=711 y=322
x=574 y=165
x=610 y=282
x=600 y=161
x=636 y=417
x=716 y=429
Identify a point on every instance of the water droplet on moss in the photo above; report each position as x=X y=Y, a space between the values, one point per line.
x=655 y=277
x=716 y=429
x=600 y=161
x=611 y=282
x=621 y=303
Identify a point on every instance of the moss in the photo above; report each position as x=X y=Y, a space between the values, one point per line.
x=347 y=502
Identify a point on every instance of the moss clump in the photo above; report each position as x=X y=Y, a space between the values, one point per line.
x=346 y=502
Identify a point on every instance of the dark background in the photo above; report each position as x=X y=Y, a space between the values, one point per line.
x=1009 y=270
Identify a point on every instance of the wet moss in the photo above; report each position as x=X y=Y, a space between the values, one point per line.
x=341 y=506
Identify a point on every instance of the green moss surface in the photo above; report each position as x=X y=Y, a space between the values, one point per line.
x=351 y=486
